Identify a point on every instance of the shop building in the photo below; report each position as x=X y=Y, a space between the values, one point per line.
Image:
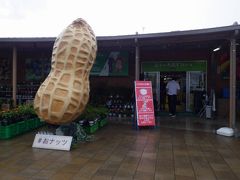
x=204 y=61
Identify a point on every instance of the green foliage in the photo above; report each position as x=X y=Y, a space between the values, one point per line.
x=15 y=115
x=77 y=132
x=26 y=110
x=93 y=112
x=80 y=135
x=8 y=115
x=90 y=113
x=102 y=111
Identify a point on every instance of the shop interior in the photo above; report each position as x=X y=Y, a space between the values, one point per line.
x=189 y=98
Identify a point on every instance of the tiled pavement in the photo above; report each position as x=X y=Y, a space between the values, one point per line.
x=120 y=152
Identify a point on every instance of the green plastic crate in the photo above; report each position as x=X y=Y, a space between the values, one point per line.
x=36 y=122
x=42 y=122
x=22 y=127
x=103 y=122
x=30 y=123
x=12 y=130
x=9 y=131
x=91 y=129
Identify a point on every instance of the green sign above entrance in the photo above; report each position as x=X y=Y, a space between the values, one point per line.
x=171 y=66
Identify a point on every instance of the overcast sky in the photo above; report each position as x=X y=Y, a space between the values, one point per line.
x=47 y=18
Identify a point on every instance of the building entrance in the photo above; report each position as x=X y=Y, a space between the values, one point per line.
x=190 y=82
x=191 y=76
x=181 y=96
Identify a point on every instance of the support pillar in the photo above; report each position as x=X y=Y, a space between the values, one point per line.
x=14 y=76
x=136 y=58
x=232 y=105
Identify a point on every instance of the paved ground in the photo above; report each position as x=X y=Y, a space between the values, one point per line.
x=120 y=152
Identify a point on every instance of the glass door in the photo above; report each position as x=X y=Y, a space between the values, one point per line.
x=195 y=87
x=181 y=97
x=155 y=78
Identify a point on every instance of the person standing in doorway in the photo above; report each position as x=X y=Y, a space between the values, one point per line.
x=172 y=89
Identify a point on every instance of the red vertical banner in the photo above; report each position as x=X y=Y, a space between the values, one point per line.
x=144 y=103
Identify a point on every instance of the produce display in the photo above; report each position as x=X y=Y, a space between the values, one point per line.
x=18 y=121
x=119 y=107
x=62 y=97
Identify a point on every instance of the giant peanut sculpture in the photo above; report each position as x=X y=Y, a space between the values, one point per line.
x=63 y=95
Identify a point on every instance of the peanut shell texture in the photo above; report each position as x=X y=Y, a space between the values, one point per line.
x=63 y=95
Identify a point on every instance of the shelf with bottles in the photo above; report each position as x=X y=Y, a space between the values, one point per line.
x=119 y=107
x=26 y=91
x=5 y=91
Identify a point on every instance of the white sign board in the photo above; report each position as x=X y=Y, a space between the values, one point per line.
x=52 y=142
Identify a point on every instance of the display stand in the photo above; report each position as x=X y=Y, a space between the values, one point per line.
x=134 y=119
x=144 y=106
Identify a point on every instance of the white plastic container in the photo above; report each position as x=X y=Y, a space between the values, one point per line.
x=225 y=131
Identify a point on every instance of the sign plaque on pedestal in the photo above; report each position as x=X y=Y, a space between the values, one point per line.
x=45 y=141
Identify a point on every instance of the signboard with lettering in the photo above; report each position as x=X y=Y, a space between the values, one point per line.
x=113 y=63
x=144 y=103
x=178 y=66
x=52 y=142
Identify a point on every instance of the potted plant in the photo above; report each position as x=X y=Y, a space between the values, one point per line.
x=9 y=125
x=92 y=118
x=8 y=118
x=17 y=121
x=26 y=111
x=102 y=114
